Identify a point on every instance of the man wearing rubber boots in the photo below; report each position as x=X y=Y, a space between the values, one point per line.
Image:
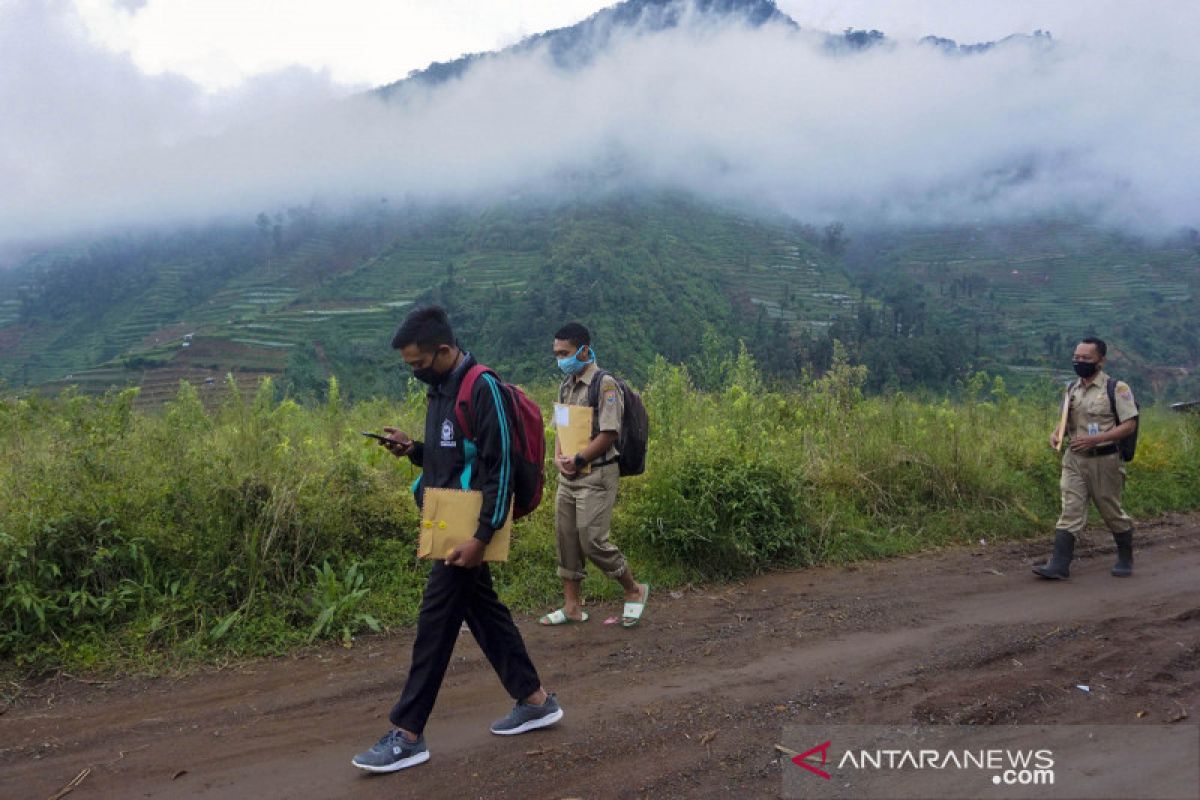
x=1097 y=417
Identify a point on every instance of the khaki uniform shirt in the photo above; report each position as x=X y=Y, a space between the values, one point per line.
x=574 y=392
x=1090 y=404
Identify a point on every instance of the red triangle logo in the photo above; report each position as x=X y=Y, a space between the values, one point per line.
x=800 y=760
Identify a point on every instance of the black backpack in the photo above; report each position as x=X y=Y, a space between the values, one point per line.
x=635 y=424
x=1127 y=446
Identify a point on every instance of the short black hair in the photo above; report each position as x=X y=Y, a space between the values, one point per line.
x=1101 y=347
x=575 y=333
x=427 y=327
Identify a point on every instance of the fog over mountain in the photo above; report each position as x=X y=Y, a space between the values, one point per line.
x=733 y=105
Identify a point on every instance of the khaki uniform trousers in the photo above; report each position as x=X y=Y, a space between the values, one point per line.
x=1100 y=478
x=583 y=515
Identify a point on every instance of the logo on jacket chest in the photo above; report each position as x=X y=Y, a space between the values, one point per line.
x=447 y=433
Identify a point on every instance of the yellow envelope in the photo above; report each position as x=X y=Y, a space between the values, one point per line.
x=450 y=517
x=573 y=426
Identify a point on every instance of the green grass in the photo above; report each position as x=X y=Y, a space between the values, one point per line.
x=140 y=540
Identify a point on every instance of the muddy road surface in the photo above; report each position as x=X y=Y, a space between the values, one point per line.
x=689 y=704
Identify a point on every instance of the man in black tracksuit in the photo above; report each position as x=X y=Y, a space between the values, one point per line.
x=459 y=589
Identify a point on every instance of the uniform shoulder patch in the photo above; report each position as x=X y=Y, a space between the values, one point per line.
x=1123 y=391
x=610 y=389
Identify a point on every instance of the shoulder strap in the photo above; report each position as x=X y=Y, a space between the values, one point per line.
x=462 y=400
x=1111 y=387
x=594 y=397
x=594 y=388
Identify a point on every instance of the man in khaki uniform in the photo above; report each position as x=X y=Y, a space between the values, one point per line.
x=587 y=485
x=1091 y=467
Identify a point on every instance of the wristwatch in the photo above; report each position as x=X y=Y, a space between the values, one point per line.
x=580 y=461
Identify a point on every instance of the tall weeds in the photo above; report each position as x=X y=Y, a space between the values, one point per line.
x=139 y=539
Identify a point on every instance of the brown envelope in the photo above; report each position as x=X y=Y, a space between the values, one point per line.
x=450 y=517
x=573 y=426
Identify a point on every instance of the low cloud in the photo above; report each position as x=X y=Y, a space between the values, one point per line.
x=1100 y=124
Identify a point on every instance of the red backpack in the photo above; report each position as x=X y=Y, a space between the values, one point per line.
x=528 y=437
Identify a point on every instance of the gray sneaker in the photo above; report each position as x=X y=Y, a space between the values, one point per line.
x=391 y=753
x=527 y=717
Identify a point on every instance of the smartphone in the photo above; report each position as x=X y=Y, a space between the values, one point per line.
x=379 y=437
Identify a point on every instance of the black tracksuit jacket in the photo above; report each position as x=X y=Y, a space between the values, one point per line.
x=484 y=464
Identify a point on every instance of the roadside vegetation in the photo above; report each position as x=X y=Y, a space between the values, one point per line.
x=144 y=540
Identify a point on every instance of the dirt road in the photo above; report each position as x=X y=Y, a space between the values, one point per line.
x=690 y=704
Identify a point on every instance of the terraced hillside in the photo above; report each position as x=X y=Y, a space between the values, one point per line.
x=512 y=275
x=1024 y=293
x=327 y=302
x=650 y=275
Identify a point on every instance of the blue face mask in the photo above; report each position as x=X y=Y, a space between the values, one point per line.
x=571 y=365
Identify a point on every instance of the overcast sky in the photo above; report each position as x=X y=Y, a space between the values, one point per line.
x=136 y=111
x=220 y=43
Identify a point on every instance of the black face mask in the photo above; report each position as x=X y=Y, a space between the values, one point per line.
x=1085 y=369
x=428 y=375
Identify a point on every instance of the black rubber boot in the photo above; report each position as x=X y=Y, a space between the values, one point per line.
x=1124 y=566
x=1059 y=566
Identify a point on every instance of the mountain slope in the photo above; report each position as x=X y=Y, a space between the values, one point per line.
x=648 y=273
x=1022 y=294
x=304 y=294
x=318 y=295
x=576 y=45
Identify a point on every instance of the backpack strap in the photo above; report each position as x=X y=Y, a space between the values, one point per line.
x=594 y=387
x=594 y=398
x=1111 y=387
x=463 y=412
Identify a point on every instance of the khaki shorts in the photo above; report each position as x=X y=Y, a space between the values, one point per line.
x=583 y=515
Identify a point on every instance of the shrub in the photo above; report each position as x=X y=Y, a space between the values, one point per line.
x=130 y=537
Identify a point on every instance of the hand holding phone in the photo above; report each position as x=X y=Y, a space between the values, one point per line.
x=396 y=441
